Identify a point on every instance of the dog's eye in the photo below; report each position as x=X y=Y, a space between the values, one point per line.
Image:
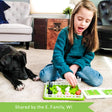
x=16 y=69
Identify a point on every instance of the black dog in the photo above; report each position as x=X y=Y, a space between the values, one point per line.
x=12 y=65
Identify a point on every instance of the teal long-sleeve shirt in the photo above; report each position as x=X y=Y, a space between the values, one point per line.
x=65 y=55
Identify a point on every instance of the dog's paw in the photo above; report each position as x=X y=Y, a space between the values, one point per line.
x=36 y=78
x=20 y=87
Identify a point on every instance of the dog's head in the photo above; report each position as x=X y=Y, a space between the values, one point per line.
x=13 y=64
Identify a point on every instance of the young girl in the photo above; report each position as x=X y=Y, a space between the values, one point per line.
x=74 y=48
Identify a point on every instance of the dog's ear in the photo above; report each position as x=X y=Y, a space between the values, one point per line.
x=5 y=62
x=1 y=65
x=24 y=60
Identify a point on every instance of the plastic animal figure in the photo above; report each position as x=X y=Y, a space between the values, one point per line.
x=49 y=91
x=59 y=94
x=67 y=91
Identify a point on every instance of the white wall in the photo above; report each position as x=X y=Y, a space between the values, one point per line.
x=49 y=6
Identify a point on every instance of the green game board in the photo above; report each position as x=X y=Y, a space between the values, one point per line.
x=63 y=86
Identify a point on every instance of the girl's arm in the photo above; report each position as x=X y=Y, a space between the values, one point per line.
x=85 y=60
x=74 y=68
x=58 y=54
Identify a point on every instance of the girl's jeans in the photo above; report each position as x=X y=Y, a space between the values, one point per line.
x=88 y=75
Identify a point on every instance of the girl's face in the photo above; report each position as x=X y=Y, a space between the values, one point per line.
x=82 y=20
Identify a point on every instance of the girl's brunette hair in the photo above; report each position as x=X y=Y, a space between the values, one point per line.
x=90 y=36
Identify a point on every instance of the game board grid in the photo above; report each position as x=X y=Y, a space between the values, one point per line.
x=63 y=97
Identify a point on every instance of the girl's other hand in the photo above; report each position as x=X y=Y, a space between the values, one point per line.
x=70 y=77
x=74 y=68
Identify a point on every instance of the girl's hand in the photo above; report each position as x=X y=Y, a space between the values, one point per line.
x=74 y=68
x=70 y=77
